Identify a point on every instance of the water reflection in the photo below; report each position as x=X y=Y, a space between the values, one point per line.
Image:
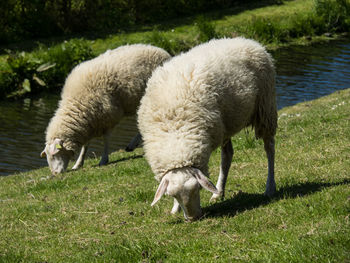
x=22 y=134
x=303 y=73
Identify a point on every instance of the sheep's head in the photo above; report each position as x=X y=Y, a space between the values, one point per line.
x=184 y=185
x=57 y=156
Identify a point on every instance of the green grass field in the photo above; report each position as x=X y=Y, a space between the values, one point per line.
x=103 y=214
x=182 y=34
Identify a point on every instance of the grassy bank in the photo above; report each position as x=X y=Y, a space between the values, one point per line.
x=103 y=214
x=45 y=67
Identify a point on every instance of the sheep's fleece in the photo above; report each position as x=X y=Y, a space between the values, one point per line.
x=196 y=101
x=98 y=93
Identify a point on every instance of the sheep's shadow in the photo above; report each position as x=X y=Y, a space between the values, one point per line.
x=123 y=159
x=127 y=158
x=247 y=201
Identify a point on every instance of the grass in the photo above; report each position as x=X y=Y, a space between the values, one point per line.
x=103 y=214
x=186 y=33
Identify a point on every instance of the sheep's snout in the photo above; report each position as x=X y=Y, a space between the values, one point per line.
x=57 y=156
x=194 y=218
x=184 y=184
x=58 y=163
x=191 y=207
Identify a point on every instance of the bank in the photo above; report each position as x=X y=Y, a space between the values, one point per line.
x=301 y=22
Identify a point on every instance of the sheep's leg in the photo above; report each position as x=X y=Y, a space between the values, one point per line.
x=80 y=161
x=176 y=208
x=134 y=143
x=104 y=158
x=269 y=145
x=226 y=158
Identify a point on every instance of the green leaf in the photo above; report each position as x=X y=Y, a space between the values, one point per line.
x=38 y=80
x=26 y=85
x=45 y=66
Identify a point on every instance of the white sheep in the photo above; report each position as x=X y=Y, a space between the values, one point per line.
x=195 y=103
x=97 y=94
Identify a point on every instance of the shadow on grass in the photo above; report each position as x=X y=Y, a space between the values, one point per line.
x=247 y=201
x=127 y=159
x=122 y=160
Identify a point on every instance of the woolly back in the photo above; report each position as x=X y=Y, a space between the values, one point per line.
x=99 y=92
x=120 y=74
x=198 y=99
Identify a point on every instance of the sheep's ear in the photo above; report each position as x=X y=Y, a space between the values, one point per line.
x=160 y=191
x=204 y=181
x=43 y=154
x=55 y=146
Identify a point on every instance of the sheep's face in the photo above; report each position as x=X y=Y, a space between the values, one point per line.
x=184 y=185
x=57 y=156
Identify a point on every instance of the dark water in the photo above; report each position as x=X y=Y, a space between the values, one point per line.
x=303 y=73
x=22 y=134
x=307 y=73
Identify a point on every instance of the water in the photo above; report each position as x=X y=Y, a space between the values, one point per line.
x=303 y=73
x=22 y=134
x=307 y=73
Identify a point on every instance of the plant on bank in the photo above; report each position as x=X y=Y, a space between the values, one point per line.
x=31 y=73
x=66 y=56
x=206 y=29
x=328 y=16
x=159 y=39
x=333 y=15
x=46 y=68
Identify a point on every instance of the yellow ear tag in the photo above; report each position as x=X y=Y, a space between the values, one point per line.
x=58 y=146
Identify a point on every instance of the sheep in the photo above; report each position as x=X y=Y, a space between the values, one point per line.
x=195 y=103
x=134 y=143
x=97 y=94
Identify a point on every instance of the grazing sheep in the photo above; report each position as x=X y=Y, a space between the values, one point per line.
x=134 y=143
x=195 y=103
x=97 y=94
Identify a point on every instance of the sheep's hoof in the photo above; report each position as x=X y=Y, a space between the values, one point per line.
x=216 y=198
x=176 y=209
x=103 y=162
x=129 y=149
x=270 y=190
x=269 y=193
x=76 y=167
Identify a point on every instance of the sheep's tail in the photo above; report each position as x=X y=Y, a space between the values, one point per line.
x=264 y=120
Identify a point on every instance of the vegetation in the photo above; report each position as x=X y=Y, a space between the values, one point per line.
x=327 y=16
x=23 y=19
x=45 y=67
x=103 y=214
